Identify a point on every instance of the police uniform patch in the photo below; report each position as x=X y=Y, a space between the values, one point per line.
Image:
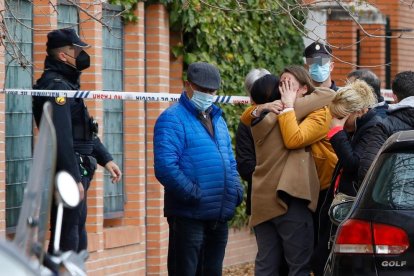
x=60 y=100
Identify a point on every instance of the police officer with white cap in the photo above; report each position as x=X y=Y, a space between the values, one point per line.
x=319 y=60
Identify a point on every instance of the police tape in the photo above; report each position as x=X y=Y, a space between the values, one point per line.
x=117 y=95
x=136 y=96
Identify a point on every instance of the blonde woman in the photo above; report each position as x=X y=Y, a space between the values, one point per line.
x=351 y=117
x=350 y=114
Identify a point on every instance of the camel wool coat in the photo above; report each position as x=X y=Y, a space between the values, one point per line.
x=280 y=169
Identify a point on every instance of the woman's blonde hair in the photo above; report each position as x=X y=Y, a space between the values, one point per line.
x=351 y=98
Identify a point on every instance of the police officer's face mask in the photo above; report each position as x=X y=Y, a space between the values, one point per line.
x=83 y=61
x=320 y=73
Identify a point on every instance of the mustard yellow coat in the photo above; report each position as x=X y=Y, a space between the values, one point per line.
x=311 y=131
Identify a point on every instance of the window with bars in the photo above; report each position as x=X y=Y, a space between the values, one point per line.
x=113 y=48
x=19 y=134
x=68 y=15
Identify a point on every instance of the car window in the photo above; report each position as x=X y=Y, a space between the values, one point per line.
x=394 y=184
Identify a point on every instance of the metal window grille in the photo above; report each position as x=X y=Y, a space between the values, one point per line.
x=113 y=48
x=68 y=15
x=19 y=134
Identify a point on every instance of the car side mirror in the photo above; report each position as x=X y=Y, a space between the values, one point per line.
x=67 y=190
x=339 y=211
x=67 y=194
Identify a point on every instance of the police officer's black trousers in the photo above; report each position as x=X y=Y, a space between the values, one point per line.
x=73 y=236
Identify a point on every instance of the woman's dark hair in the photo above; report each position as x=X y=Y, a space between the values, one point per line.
x=265 y=89
x=302 y=75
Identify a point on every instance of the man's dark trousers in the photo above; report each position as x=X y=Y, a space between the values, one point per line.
x=73 y=236
x=196 y=247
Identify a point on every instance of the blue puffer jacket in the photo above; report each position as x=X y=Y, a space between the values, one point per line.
x=198 y=171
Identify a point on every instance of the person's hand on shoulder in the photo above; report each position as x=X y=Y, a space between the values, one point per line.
x=114 y=170
x=275 y=107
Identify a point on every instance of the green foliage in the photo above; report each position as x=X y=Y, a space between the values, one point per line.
x=240 y=218
x=236 y=41
x=129 y=7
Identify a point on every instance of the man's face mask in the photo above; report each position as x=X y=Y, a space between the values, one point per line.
x=202 y=101
x=320 y=73
x=83 y=61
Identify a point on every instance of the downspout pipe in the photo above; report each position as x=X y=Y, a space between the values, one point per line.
x=145 y=138
x=388 y=34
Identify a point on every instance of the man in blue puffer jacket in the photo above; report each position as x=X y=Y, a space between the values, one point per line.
x=194 y=162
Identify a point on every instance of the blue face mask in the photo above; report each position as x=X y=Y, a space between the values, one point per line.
x=320 y=73
x=202 y=101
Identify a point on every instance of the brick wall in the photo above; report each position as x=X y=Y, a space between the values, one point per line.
x=401 y=49
x=158 y=80
x=44 y=20
x=390 y=9
x=91 y=79
x=400 y=17
x=241 y=247
x=176 y=65
x=372 y=50
x=342 y=36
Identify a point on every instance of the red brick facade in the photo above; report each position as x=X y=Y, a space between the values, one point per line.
x=372 y=49
x=137 y=243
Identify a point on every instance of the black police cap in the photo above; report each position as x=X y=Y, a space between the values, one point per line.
x=317 y=49
x=64 y=37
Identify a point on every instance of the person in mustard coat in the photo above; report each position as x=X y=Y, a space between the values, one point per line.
x=312 y=131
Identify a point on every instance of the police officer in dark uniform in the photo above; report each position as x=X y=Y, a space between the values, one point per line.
x=79 y=149
x=319 y=61
x=320 y=65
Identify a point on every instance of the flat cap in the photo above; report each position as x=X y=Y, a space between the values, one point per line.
x=64 y=37
x=317 y=49
x=204 y=75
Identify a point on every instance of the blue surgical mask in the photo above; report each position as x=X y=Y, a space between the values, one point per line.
x=320 y=73
x=202 y=101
